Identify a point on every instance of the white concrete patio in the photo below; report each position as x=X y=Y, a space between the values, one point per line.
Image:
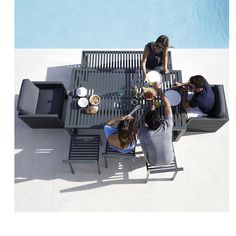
x=44 y=183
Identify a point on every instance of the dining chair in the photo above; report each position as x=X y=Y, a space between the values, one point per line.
x=158 y=169
x=111 y=153
x=84 y=148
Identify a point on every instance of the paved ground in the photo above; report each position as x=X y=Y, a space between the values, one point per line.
x=44 y=183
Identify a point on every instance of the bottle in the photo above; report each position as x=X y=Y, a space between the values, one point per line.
x=135 y=91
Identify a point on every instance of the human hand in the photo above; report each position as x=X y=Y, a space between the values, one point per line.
x=177 y=84
x=156 y=85
x=166 y=71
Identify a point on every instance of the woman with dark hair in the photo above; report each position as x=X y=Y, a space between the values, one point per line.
x=122 y=138
x=155 y=56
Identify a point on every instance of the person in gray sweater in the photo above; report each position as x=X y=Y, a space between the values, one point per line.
x=156 y=134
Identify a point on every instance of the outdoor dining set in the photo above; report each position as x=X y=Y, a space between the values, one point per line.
x=115 y=77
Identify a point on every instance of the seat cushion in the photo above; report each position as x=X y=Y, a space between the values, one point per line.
x=57 y=101
x=50 y=101
x=28 y=97
x=219 y=110
x=44 y=101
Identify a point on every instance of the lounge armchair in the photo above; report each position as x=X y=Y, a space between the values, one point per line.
x=218 y=117
x=41 y=104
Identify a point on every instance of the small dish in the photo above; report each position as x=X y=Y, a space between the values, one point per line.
x=83 y=102
x=91 y=110
x=95 y=100
x=134 y=101
x=173 y=96
x=81 y=91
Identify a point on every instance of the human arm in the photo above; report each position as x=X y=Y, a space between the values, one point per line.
x=165 y=100
x=178 y=84
x=184 y=100
x=116 y=120
x=143 y=62
x=165 y=63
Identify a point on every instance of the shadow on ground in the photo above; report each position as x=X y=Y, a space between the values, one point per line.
x=39 y=154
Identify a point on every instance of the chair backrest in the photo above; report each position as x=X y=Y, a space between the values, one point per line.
x=110 y=150
x=218 y=117
x=220 y=109
x=28 y=97
x=110 y=60
x=170 y=167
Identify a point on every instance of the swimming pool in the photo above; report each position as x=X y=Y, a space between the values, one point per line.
x=120 y=23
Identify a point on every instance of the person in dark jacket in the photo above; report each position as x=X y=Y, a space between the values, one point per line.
x=197 y=96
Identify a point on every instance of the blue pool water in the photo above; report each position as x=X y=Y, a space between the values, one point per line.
x=120 y=23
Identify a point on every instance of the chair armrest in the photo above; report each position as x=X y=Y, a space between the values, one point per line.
x=37 y=115
x=49 y=84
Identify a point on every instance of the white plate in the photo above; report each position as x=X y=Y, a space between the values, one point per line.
x=173 y=96
x=83 y=102
x=154 y=76
x=81 y=91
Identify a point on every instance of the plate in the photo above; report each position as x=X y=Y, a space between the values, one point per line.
x=154 y=76
x=81 y=91
x=173 y=96
x=83 y=102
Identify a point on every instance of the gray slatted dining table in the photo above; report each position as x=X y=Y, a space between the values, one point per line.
x=115 y=87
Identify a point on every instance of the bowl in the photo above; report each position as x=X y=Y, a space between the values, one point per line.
x=149 y=93
x=83 y=102
x=95 y=100
x=81 y=91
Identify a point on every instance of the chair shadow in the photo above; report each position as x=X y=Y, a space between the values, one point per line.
x=39 y=153
x=61 y=73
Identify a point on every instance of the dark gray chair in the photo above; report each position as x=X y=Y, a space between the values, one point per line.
x=41 y=104
x=84 y=148
x=172 y=167
x=111 y=153
x=218 y=117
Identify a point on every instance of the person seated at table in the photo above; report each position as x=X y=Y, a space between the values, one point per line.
x=198 y=98
x=156 y=134
x=122 y=138
x=155 y=56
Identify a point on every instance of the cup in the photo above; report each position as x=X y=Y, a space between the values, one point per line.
x=134 y=102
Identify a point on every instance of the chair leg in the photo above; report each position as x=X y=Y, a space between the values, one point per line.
x=131 y=164
x=99 y=170
x=148 y=172
x=174 y=175
x=105 y=158
x=71 y=168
